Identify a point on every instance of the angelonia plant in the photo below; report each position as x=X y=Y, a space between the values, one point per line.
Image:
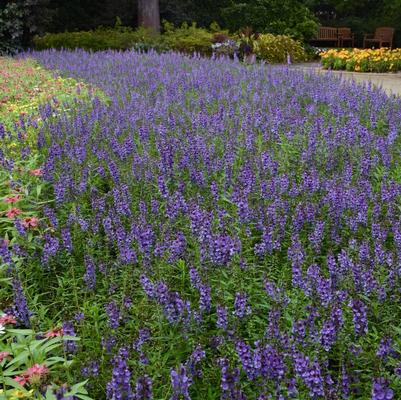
x=215 y=231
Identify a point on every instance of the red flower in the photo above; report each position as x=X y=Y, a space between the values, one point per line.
x=13 y=212
x=12 y=199
x=30 y=222
x=7 y=319
x=36 y=172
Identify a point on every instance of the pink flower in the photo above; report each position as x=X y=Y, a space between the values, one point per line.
x=36 y=369
x=30 y=222
x=35 y=373
x=12 y=199
x=32 y=375
x=36 y=172
x=22 y=380
x=13 y=212
x=7 y=319
x=3 y=355
x=54 y=332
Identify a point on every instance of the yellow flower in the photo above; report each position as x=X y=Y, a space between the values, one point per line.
x=19 y=394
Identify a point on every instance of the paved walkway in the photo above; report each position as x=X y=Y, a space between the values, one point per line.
x=389 y=82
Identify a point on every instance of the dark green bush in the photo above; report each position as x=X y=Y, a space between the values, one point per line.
x=279 y=17
x=99 y=39
x=186 y=38
x=11 y=27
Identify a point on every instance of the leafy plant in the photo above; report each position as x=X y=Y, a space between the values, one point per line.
x=119 y=38
x=29 y=361
x=11 y=27
x=187 y=38
x=288 y=17
x=277 y=49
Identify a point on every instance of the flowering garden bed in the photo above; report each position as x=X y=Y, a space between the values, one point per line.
x=216 y=231
x=362 y=60
x=32 y=356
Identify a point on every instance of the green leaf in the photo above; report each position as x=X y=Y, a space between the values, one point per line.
x=83 y=397
x=14 y=384
x=50 y=395
x=78 y=388
x=24 y=332
x=22 y=357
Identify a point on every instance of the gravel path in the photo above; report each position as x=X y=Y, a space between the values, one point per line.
x=389 y=82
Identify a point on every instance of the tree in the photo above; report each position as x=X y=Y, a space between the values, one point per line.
x=148 y=14
x=19 y=21
x=289 y=17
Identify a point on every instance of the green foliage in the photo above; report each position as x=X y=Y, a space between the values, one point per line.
x=288 y=17
x=11 y=28
x=21 y=352
x=275 y=48
x=203 y=12
x=188 y=38
x=19 y=20
x=119 y=38
x=361 y=16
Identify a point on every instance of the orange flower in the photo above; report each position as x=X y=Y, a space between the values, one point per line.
x=13 y=212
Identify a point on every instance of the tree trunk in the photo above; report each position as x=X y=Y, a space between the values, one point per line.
x=148 y=14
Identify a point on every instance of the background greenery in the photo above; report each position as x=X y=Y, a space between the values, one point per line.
x=20 y=20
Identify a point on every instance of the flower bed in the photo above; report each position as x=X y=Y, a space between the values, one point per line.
x=358 y=60
x=219 y=231
x=24 y=86
x=31 y=363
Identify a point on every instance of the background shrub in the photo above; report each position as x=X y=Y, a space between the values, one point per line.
x=188 y=38
x=121 y=38
x=289 y=17
x=275 y=48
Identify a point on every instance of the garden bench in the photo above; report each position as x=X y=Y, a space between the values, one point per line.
x=327 y=34
x=382 y=37
x=345 y=35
